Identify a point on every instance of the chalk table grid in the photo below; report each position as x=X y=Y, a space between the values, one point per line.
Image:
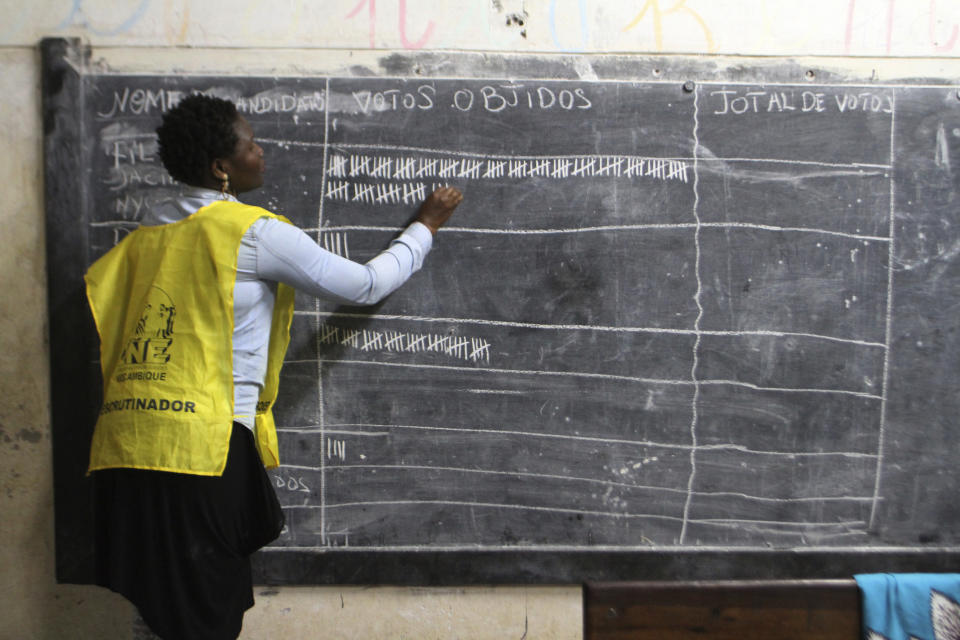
x=694 y=328
x=437 y=430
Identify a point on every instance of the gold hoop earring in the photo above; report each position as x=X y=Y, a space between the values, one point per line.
x=225 y=185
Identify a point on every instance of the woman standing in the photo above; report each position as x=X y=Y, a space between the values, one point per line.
x=193 y=311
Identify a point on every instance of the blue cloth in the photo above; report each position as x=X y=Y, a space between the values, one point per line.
x=900 y=606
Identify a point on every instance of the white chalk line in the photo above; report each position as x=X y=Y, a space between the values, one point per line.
x=339 y=429
x=881 y=442
x=634 y=83
x=506 y=156
x=696 y=322
x=779 y=523
x=318 y=333
x=449 y=230
x=572 y=511
x=545 y=476
x=516 y=82
x=336 y=432
x=115 y=223
x=489 y=505
x=831 y=532
x=520 y=474
x=733 y=494
x=775 y=228
x=513 y=82
x=598 y=376
x=587 y=327
x=652 y=547
x=339 y=146
x=653 y=226
x=128 y=136
x=756 y=387
x=874 y=87
x=813 y=163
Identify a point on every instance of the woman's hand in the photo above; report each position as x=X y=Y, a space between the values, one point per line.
x=438 y=207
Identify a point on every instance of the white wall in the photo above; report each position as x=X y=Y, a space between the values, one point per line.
x=915 y=28
x=892 y=38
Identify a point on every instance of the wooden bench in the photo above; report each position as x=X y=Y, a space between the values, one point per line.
x=734 y=610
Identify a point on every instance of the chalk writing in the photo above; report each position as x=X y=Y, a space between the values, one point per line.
x=129 y=206
x=141 y=101
x=394 y=99
x=291 y=483
x=281 y=102
x=510 y=96
x=739 y=102
x=132 y=152
x=864 y=101
x=492 y=98
x=496 y=99
x=125 y=177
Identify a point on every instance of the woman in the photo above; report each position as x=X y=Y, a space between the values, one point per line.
x=193 y=311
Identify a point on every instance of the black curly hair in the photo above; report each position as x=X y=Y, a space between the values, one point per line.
x=195 y=133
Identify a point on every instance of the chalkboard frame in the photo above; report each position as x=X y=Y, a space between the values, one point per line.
x=75 y=378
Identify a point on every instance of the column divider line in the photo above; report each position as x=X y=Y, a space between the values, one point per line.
x=320 y=417
x=696 y=324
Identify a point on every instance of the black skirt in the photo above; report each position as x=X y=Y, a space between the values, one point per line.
x=178 y=546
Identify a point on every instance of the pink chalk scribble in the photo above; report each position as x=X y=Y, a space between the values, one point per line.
x=889 y=25
x=403 y=29
x=401 y=26
x=372 y=5
x=848 y=32
x=938 y=45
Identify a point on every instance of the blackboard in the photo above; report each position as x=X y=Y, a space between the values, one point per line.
x=694 y=326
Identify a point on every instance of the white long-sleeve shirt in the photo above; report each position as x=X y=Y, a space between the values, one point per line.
x=273 y=251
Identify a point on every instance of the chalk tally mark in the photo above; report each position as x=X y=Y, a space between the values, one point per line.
x=559 y=167
x=460 y=348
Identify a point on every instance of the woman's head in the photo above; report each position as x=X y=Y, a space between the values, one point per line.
x=203 y=140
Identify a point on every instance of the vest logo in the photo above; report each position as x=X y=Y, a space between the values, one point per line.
x=153 y=335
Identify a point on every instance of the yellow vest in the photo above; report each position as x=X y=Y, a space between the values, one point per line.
x=162 y=300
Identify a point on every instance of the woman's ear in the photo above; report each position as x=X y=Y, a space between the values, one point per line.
x=218 y=170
